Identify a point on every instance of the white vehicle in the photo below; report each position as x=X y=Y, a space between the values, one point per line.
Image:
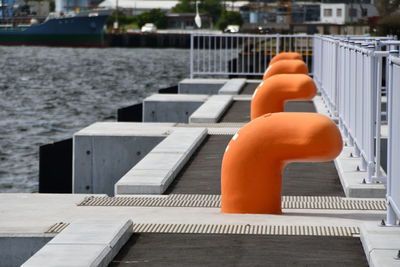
x=232 y=28
x=149 y=27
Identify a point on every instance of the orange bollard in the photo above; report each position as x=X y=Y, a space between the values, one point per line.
x=271 y=95
x=286 y=66
x=285 y=55
x=251 y=175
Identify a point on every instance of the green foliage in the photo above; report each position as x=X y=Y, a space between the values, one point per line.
x=184 y=6
x=390 y=24
x=386 y=7
x=210 y=7
x=155 y=16
x=122 y=19
x=229 y=17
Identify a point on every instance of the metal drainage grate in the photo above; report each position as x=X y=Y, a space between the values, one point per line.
x=237 y=125
x=57 y=228
x=222 y=131
x=247 y=229
x=214 y=201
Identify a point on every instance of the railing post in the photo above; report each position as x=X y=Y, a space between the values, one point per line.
x=191 y=55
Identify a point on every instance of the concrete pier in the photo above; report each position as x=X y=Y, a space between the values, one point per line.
x=159 y=184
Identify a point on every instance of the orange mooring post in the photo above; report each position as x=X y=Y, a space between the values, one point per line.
x=285 y=55
x=271 y=95
x=251 y=177
x=286 y=66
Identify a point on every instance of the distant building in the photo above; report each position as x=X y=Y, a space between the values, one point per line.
x=71 y=5
x=340 y=13
x=275 y=12
x=135 y=7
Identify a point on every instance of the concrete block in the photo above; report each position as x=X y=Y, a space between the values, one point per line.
x=126 y=129
x=212 y=110
x=351 y=179
x=381 y=244
x=181 y=140
x=171 y=107
x=200 y=86
x=84 y=243
x=156 y=171
x=100 y=161
x=15 y=250
x=232 y=87
x=69 y=255
x=104 y=152
x=97 y=232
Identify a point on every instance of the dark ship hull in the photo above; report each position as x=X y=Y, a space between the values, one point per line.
x=81 y=30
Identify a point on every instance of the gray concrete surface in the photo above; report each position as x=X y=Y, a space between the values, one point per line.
x=352 y=179
x=104 y=152
x=232 y=87
x=212 y=110
x=347 y=166
x=16 y=249
x=158 y=169
x=381 y=244
x=201 y=86
x=171 y=107
x=84 y=243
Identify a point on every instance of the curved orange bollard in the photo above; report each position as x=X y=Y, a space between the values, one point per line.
x=271 y=95
x=286 y=66
x=285 y=55
x=251 y=175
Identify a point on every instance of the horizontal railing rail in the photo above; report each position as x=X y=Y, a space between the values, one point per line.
x=350 y=74
x=393 y=183
x=243 y=54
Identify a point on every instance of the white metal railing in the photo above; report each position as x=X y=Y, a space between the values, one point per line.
x=349 y=75
x=242 y=54
x=393 y=182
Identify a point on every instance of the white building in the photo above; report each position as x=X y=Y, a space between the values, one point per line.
x=346 y=13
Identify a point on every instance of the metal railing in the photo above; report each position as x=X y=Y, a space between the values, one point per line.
x=393 y=182
x=242 y=54
x=350 y=75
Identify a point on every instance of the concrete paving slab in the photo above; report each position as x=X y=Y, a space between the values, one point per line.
x=201 y=86
x=384 y=258
x=352 y=179
x=35 y=213
x=84 y=243
x=126 y=129
x=381 y=244
x=93 y=232
x=70 y=255
x=212 y=110
x=232 y=87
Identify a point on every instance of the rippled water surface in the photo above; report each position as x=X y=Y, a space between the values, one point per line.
x=47 y=94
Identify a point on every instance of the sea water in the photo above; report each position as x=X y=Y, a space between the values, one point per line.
x=47 y=94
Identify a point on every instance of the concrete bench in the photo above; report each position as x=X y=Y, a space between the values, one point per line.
x=201 y=86
x=171 y=107
x=212 y=110
x=232 y=87
x=158 y=169
x=84 y=243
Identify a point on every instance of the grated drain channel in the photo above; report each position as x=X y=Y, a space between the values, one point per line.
x=56 y=228
x=214 y=201
x=246 y=229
